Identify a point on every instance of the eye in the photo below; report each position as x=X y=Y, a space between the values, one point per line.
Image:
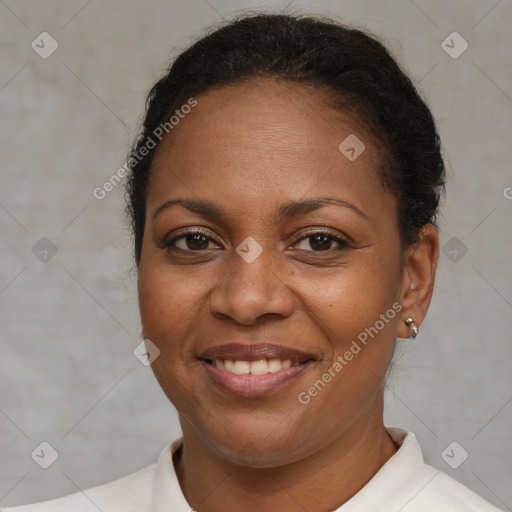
x=314 y=241
x=190 y=241
x=321 y=241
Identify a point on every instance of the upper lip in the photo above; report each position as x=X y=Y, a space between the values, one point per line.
x=255 y=352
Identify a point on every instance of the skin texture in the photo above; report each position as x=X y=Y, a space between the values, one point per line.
x=248 y=148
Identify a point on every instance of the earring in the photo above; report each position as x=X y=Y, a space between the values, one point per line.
x=412 y=324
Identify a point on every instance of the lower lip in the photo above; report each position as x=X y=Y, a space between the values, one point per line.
x=252 y=386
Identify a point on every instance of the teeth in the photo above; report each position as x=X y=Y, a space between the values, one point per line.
x=274 y=365
x=259 y=367
x=242 y=367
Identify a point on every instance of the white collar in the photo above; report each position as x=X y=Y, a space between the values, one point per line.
x=385 y=490
x=167 y=493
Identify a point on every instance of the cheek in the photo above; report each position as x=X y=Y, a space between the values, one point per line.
x=169 y=306
x=351 y=299
x=166 y=300
x=356 y=312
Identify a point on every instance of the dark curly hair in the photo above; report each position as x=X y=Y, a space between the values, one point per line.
x=350 y=69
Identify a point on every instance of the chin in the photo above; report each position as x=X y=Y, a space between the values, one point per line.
x=258 y=444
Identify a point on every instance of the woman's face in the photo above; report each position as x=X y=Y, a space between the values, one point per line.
x=274 y=274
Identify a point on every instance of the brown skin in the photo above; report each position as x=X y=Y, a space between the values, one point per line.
x=247 y=149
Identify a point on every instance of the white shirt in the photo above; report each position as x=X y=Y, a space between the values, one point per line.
x=404 y=484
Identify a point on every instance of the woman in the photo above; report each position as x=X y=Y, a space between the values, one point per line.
x=283 y=197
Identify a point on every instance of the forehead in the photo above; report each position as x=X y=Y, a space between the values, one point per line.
x=284 y=115
x=264 y=138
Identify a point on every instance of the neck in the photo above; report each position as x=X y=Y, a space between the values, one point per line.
x=322 y=482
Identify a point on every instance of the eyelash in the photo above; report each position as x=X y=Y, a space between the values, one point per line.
x=343 y=244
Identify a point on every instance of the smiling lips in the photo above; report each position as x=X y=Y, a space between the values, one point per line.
x=254 y=370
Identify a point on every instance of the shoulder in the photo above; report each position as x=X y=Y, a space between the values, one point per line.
x=127 y=494
x=407 y=483
x=444 y=493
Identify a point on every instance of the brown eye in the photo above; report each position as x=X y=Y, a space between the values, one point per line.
x=319 y=242
x=191 y=242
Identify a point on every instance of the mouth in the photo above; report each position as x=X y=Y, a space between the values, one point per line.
x=252 y=371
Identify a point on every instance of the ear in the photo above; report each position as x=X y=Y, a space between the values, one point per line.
x=418 y=278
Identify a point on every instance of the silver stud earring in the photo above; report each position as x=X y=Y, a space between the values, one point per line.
x=409 y=322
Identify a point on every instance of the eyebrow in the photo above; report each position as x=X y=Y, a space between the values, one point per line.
x=285 y=211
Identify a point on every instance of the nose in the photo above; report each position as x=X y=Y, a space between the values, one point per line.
x=247 y=292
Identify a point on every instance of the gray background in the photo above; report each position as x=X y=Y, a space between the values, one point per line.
x=69 y=326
